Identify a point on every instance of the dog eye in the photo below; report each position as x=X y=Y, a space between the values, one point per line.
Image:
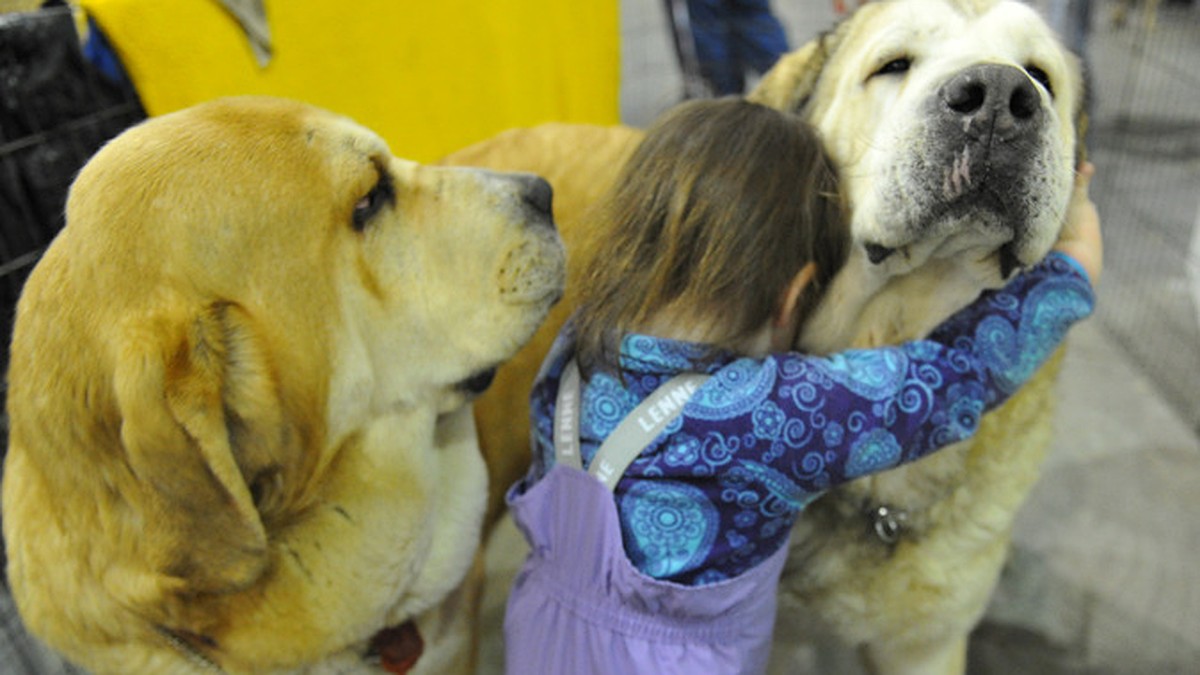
x=1040 y=76
x=893 y=67
x=382 y=194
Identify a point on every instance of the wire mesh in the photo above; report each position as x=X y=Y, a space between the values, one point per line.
x=55 y=112
x=1145 y=142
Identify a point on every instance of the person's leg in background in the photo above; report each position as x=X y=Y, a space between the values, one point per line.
x=759 y=37
x=713 y=32
x=680 y=27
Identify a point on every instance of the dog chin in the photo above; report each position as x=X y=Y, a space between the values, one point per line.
x=1007 y=259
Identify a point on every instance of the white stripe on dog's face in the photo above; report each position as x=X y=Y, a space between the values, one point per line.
x=953 y=129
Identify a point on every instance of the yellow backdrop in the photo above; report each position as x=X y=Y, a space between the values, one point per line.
x=429 y=76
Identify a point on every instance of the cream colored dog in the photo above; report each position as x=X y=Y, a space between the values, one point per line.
x=954 y=124
x=239 y=438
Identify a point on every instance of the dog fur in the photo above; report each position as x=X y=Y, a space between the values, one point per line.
x=948 y=195
x=238 y=393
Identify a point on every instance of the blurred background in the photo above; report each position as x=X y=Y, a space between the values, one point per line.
x=1103 y=576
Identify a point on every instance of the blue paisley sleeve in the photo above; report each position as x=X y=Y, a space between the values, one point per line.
x=832 y=419
x=761 y=438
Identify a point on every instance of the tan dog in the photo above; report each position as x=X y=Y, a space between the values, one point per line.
x=239 y=437
x=954 y=124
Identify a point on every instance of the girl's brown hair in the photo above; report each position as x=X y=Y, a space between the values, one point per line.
x=717 y=210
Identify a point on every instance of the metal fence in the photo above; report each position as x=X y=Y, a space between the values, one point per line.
x=56 y=109
x=1145 y=142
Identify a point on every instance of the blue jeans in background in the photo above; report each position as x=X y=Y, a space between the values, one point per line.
x=734 y=37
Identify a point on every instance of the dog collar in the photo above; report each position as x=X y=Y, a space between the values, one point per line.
x=184 y=642
x=887 y=522
x=396 y=649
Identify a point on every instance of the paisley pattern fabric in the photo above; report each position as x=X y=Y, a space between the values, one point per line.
x=669 y=526
x=719 y=490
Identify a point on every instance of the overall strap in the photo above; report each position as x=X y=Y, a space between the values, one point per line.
x=566 y=418
x=631 y=436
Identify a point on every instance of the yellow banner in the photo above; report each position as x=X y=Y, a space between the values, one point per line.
x=430 y=77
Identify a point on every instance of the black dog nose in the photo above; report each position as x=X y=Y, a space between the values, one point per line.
x=537 y=193
x=992 y=97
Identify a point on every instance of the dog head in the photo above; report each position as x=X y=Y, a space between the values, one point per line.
x=954 y=124
x=245 y=293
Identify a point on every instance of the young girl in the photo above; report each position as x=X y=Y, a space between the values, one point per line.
x=676 y=436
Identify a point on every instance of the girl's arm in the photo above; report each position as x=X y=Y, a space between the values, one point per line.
x=862 y=411
x=1080 y=244
x=1080 y=238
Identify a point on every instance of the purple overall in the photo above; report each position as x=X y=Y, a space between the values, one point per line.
x=579 y=606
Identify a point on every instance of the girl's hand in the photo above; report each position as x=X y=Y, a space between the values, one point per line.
x=1080 y=237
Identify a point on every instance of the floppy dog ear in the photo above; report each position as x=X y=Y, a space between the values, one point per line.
x=200 y=421
x=790 y=82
